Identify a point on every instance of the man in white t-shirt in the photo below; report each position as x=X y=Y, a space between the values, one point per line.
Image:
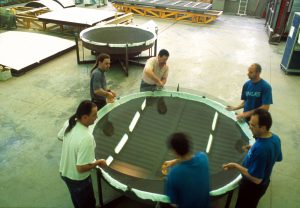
x=155 y=73
x=78 y=155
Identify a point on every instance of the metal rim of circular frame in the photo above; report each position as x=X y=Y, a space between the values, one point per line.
x=121 y=45
x=212 y=103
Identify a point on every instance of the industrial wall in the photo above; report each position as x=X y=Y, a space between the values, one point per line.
x=254 y=8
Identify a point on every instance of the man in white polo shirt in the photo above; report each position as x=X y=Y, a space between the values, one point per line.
x=156 y=71
x=78 y=155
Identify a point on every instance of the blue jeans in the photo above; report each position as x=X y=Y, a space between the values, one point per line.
x=147 y=87
x=82 y=192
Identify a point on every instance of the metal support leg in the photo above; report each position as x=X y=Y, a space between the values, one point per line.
x=126 y=60
x=155 y=43
x=77 y=48
x=77 y=53
x=100 y=195
x=229 y=197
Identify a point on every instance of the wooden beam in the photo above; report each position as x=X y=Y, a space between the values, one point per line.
x=125 y=18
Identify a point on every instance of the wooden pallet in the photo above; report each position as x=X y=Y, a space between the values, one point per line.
x=26 y=17
x=202 y=18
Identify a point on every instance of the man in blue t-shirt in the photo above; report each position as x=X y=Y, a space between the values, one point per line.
x=256 y=93
x=187 y=183
x=100 y=94
x=259 y=161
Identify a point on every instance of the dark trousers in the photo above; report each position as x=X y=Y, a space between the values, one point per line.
x=100 y=103
x=82 y=192
x=147 y=87
x=250 y=194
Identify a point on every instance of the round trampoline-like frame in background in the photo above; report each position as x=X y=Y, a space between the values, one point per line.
x=121 y=144
x=124 y=43
x=116 y=39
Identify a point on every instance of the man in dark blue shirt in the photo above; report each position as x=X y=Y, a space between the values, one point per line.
x=256 y=94
x=187 y=183
x=259 y=161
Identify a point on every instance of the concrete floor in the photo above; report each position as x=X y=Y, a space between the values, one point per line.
x=210 y=58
